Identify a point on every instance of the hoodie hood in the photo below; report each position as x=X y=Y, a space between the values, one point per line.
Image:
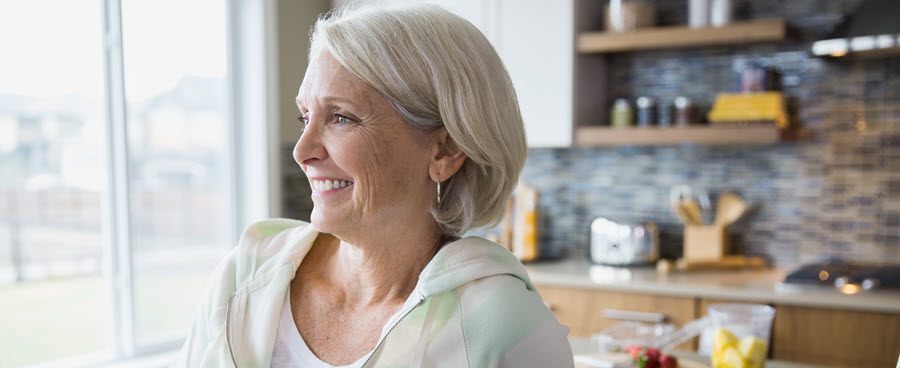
x=466 y=260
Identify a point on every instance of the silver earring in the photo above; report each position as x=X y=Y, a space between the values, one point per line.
x=439 y=192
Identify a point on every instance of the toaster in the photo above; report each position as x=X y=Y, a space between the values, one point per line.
x=623 y=244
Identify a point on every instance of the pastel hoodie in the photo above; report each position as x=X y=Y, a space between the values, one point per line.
x=473 y=306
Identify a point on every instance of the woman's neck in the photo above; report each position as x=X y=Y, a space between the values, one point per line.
x=376 y=270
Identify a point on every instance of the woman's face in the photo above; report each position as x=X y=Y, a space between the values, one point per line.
x=368 y=169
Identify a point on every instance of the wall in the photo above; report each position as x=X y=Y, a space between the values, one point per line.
x=836 y=194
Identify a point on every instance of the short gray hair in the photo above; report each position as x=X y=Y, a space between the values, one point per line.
x=439 y=70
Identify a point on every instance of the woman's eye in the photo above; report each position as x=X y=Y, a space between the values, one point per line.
x=341 y=119
x=304 y=121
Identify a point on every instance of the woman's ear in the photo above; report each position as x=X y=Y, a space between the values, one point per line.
x=446 y=158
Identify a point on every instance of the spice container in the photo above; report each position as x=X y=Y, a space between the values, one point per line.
x=626 y=16
x=645 y=111
x=683 y=115
x=698 y=13
x=720 y=12
x=621 y=114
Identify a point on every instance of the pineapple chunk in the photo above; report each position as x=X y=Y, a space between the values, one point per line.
x=732 y=357
x=722 y=339
x=753 y=349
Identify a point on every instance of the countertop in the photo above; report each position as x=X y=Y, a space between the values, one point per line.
x=763 y=286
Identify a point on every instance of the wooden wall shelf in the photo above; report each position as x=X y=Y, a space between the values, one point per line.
x=669 y=37
x=700 y=134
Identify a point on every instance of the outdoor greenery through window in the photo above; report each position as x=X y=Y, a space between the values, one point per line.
x=58 y=299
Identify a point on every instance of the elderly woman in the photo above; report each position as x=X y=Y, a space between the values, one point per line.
x=412 y=136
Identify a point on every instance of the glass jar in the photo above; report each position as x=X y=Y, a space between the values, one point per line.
x=740 y=334
x=646 y=112
x=621 y=114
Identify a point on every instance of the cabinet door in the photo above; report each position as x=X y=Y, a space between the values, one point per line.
x=677 y=310
x=572 y=308
x=836 y=337
x=584 y=311
x=535 y=39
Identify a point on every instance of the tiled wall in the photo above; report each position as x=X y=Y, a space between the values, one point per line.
x=834 y=194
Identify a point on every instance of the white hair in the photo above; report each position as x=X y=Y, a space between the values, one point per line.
x=438 y=70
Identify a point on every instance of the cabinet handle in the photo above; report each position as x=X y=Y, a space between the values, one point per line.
x=628 y=315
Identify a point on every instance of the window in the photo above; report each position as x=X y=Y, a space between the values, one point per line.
x=118 y=171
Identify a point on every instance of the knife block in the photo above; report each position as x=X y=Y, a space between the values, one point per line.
x=706 y=242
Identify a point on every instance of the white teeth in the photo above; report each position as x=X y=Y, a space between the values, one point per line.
x=329 y=184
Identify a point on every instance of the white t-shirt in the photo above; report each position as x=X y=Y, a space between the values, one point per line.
x=291 y=351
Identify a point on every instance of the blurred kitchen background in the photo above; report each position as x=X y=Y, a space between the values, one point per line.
x=137 y=139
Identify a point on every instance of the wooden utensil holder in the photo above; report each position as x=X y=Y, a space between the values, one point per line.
x=706 y=242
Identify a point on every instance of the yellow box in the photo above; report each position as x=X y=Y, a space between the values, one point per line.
x=756 y=106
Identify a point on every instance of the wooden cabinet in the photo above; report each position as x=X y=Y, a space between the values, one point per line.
x=585 y=311
x=572 y=308
x=829 y=337
x=835 y=337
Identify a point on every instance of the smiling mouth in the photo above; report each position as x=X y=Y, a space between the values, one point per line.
x=326 y=185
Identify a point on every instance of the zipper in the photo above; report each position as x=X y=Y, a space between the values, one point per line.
x=228 y=330
x=380 y=341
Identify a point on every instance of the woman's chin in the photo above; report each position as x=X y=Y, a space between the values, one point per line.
x=327 y=223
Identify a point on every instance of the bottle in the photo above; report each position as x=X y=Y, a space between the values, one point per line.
x=621 y=114
x=683 y=114
x=645 y=111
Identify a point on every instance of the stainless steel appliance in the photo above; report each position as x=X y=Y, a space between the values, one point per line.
x=839 y=275
x=621 y=244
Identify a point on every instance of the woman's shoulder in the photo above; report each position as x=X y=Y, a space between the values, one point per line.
x=504 y=319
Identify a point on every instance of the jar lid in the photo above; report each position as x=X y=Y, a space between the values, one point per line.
x=644 y=102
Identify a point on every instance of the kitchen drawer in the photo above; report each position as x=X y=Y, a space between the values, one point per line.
x=583 y=310
x=836 y=337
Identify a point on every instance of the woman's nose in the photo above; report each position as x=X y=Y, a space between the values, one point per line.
x=309 y=146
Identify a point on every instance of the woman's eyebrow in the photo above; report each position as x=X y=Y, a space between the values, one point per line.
x=331 y=100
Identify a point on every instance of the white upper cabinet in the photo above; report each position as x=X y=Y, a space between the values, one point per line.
x=535 y=40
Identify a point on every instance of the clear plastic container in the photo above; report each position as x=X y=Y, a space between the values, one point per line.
x=619 y=336
x=739 y=334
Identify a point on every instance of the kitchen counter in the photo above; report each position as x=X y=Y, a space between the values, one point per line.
x=762 y=286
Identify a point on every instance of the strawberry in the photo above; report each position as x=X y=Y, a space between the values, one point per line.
x=667 y=361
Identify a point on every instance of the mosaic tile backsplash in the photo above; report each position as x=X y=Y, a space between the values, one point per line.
x=834 y=194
